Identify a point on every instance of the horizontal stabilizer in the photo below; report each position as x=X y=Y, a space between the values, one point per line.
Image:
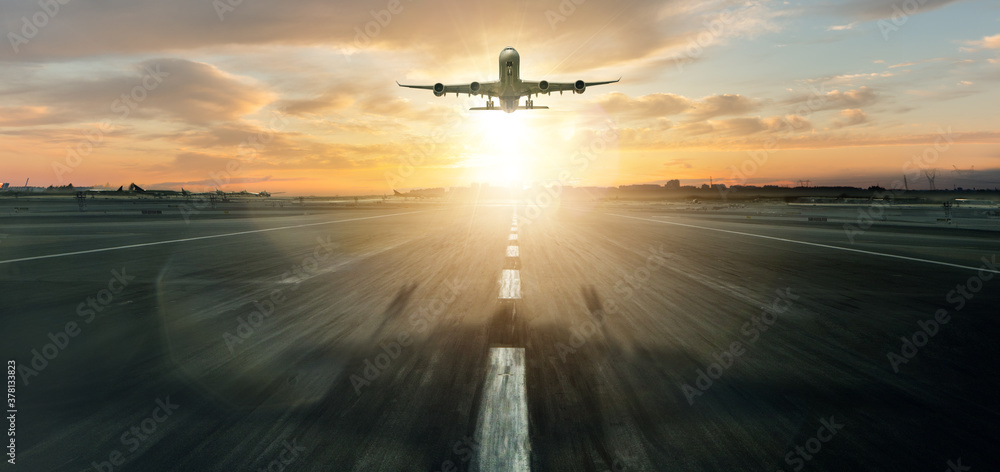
x=519 y=108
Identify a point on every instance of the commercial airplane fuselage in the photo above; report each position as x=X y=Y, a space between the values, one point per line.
x=510 y=80
x=510 y=88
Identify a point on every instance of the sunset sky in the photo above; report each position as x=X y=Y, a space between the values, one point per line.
x=300 y=97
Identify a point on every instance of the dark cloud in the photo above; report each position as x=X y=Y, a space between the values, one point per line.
x=175 y=89
x=870 y=10
x=560 y=39
x=149 y=26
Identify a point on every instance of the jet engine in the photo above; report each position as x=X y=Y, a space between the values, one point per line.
x=439 y=89
x=543 y=86
x=579 y=86
x=474 y=87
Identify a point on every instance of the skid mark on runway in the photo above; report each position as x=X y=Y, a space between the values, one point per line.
x=775 y=238
x=502 y=430
x=198 y=238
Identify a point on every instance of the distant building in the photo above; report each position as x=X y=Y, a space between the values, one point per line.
x=639 y=187
x=674 y=184
x=5 y=186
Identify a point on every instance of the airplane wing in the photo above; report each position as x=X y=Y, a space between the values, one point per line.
x=489 y=89
x=537 y=87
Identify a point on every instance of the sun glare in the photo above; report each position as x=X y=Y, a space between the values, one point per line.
x=505 y=146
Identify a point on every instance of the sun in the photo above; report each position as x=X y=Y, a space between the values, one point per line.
x=503 y=148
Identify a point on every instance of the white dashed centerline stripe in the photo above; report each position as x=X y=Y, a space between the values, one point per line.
x=841 y=248
x=513 y=229
x=510 y=285
x=513 y=237
x=502 y=426
x=196 y=238
x=512 y=251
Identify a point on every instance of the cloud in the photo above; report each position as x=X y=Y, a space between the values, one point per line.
x=943 y=94
x=842 y=27
x=988 y=42
x=647 y=106
x=703 y=136
x=175 y=89
x=870 y=10
x=833 y=100
x=685 y=163
x=850 y=117
x=333 y=101
x=745 y=126
x=907 y=64
x=18 y=116
x=720 y=105
x=153 y=27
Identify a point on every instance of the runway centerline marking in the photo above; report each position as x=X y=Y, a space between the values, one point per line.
x=502 y=426
x=196 y=238
x=512 y=251
x=510 y=284
x=513 y=237
x=841 y=248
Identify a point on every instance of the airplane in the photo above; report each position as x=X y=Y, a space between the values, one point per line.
x=510 y=88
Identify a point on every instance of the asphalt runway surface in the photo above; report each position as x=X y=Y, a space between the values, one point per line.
x=415 y=339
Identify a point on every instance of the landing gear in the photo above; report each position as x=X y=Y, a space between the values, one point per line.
x=490 y=105
x=529 y=104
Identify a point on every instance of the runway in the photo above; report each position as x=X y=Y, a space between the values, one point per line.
x=500 y=336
